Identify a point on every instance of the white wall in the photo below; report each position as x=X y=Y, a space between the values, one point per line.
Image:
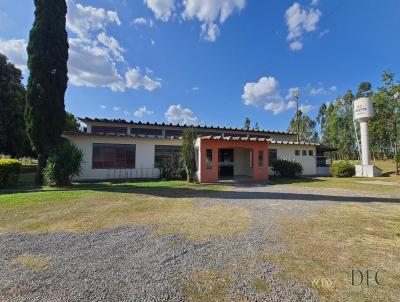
x=144 y=162
x=308 y=162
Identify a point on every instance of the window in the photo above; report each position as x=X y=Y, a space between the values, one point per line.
x=304 y=152
x=272 y=156
x=209 y=158
x=109 y=129
x=260 y=158
x=113 y=156
x=173 y=133
x=311 y=152
x=161 y=151
x=297 y=152
x=146 y=131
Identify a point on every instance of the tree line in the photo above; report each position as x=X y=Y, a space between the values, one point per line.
x=32 y=119
x=334 y=125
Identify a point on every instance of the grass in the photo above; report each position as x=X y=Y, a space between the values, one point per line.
x=342 y=238
x=84 y=209
x=205 y=285
x=32 y=262
x=260 y=285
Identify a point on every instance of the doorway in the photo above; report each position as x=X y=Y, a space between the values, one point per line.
x=225 y=163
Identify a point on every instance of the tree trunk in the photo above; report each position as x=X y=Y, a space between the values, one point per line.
x=42 y=161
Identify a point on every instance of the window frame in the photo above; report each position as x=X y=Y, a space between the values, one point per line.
x=260 y=159
x=119 y=154
x=297 y=152
x=310 y=152
x=270 y=160
x=303 y=152
x=209 y=155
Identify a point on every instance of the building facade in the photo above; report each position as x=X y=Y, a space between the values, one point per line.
x=118 y=149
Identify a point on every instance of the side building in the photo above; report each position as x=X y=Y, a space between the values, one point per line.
x=119 y=149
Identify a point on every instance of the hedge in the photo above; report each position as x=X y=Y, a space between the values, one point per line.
x=287 y=168
x=9 y=171
x=343 y=169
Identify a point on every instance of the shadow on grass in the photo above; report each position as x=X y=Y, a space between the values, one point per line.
x=183 y=190
x=274 y=180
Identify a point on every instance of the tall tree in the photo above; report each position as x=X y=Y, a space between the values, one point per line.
x=307 y=131
x=256 y=126
x=47 y=83
x=321 y=118
x=188 y=153
x=71 y=123
x=13 y=139
x=246 y=124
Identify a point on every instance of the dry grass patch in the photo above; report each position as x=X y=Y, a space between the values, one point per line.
x=92 y=211
x=342 y=238
x=32 y=262
x=204 y=286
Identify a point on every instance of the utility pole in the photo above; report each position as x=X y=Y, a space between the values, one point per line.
x=296 y=94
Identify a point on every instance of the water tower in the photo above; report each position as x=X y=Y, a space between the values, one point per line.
x=363 y=111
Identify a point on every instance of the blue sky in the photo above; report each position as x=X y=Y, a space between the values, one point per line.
x=214 y=61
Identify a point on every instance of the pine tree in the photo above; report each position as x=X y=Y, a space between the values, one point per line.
x=246 y=124
x=47 y=83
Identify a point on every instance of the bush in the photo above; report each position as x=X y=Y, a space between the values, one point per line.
x=9 y=171
x=63 y=165
x=343 y=169
x=287 y=168
x=171 y=167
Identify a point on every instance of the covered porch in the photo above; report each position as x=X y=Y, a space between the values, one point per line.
x=232 y=158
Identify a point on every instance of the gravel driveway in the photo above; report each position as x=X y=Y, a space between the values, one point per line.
x=126 y=264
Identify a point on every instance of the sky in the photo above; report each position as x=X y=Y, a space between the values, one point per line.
x=213 y=62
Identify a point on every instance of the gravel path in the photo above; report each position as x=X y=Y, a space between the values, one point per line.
x=126 y=264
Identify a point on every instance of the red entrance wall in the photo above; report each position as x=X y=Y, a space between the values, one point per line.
x=211 y=175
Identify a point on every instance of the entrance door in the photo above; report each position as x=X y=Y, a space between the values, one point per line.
x=225 y=163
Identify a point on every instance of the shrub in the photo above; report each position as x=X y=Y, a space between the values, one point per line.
x=343 y=169
x=397 y=159
x=63 y=165
x=9 y=171
x=171 y=167
x=287 y=168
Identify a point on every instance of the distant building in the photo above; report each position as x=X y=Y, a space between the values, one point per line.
x=119 y=149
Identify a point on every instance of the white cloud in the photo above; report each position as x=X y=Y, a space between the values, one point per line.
x=84 y=19
x=292 y=93
x=111 y=44
x=317 y=91
x=179 y=115
x=142 y=111
x=195 y=88
x=209 y=31
x=115 y=108
x=135 y=80
x=209 y=12
x=91 y=66
x=333 y=88
x=279 y=106
x=323 y=33
x=126 y=112
x=95 y=56
x=103 y=107
x=266 y=89
x=152 y=42
x=162 y=9
x=15 y=51
x=143 y=21
x=296 y=45
x=300 y=21
x=314 y=2
x=306 y=108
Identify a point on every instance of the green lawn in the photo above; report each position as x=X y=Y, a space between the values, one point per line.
x=169 y=207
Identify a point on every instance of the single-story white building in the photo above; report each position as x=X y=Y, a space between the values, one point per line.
x=119 y=149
